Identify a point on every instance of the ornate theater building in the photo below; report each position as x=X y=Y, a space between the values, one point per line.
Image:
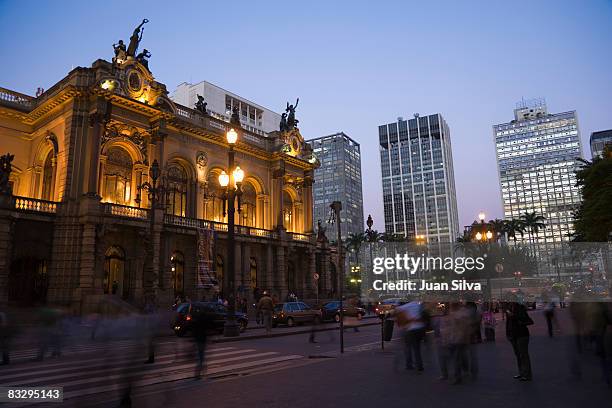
x=110 y=190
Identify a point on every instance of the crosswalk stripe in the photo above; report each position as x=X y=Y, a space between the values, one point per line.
x=83 y=348
x=179 y=376
x=41 y=374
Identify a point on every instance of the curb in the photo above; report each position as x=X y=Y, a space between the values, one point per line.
x=281 y=334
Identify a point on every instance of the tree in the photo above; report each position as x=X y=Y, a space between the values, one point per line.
x=513 y=227
x=533 y=223
x=353 y=243
x=498 y=226
x=593 y=220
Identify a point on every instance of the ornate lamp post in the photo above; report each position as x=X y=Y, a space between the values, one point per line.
x=154 y=195
x=232 y=184
x=484 y=236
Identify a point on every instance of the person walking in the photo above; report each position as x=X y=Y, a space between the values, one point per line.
x=201 y=327
x=5 y=333
x=549 y=314
x=150 y=328
x=266 y=307
x=517 y=332
x=410 y=320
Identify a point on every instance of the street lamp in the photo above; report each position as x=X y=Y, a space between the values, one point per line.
x=481 y=216
x=154 y=194
x=231 y=184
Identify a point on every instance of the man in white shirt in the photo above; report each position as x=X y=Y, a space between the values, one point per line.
x=409 y=317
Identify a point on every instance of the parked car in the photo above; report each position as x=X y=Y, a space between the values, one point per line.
x=331 y=311
x=292 y=313
x=386 y=306
x=217 y=313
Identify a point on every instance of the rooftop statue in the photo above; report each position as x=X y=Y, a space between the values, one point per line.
x=136 y=38
x=5 y=173
x=120 y=51
x=235 y=119
x=283 y=123
x=291 y=120
x=200 y=105
x=142 y=58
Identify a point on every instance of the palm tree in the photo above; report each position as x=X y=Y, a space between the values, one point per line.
x=373 y=236
x=513 y=227
x=498 y=226
x=353 y=243
x=533 y=223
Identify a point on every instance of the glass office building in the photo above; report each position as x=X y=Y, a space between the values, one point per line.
x=338 y=179
x=598 y=142
x=418 y=179
x=536 y=161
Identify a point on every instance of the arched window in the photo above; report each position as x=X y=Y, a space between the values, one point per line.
x=253 y=272
x=287 y=211
x=115 y=279
x=177 y=191
x=48 y=178
x=248 y=206
x=117 y=176
x=213 y=199
x=177 y=267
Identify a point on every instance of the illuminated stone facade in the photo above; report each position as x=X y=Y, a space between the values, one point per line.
x=77 y=228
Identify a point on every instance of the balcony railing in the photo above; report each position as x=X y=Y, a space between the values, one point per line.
x=32 y=204
x=217 y=226
x=126 y=211
x=7 y=95
x=296 y=236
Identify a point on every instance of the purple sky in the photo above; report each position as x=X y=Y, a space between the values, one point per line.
x=354 y=65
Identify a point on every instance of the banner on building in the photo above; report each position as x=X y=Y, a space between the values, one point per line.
x=205 y=277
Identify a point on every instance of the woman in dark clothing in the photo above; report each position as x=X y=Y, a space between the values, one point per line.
x=517 y=333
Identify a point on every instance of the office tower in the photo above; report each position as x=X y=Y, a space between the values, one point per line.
x=418 y=179
x=599 y=140
x=338 y=179
x=536 y=161
x=253 y=117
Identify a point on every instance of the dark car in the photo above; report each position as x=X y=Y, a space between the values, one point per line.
x=292 y=313
x=331 y=311
x=217 y=313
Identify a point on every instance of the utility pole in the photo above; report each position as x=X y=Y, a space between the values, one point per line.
x=336 y=207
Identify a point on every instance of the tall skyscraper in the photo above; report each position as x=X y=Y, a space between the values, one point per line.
x=338 y=179
x=599 y=140
x=536 y=161
x=418 y=179
x=253 y=117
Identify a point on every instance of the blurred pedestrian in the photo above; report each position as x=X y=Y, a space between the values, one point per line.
x=489 y=323
x=150 y=328
x=517 y=332
x=549 y=314
x=5 y=337
x=50 y=333
x=460 y=336
x=244 y=305
x=201 y=326
x=266 y=307
x=410 y=319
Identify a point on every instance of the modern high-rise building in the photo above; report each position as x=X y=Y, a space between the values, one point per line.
x=418 y=179
x=253 y=117
x=536 y=161
x=338 y=179
x=599 y=140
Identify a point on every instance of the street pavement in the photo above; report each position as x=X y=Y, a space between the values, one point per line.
x=289 y=371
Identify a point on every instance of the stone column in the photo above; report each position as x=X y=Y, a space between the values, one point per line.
x=280 y=280
x=267 y=278
x=6 y=247
x=311 y=270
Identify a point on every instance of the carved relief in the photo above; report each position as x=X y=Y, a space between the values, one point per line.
x=119 y=131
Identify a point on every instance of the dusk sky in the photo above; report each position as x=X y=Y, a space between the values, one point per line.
x=354 y=65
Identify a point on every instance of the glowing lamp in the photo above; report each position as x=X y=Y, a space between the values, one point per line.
x=231 y=136
x=238 y=174
x=223 y=179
